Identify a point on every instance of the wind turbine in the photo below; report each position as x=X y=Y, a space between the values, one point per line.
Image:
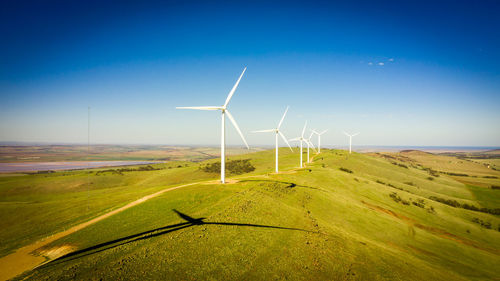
x=350 y=139
x=223 y=110
x=319 y=138
x=301 y=139
x=309 y=144
x=277 y=132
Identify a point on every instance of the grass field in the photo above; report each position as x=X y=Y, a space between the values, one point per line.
x=359 y=216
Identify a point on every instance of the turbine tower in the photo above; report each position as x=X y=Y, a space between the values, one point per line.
x=277 y=132
x=301 y=139
x=319 y=138
x=309 y=144
x=223 y=110
x=350 y=139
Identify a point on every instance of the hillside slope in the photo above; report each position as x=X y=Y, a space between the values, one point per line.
x=343 y=217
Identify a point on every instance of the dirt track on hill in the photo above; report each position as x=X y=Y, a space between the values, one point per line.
x=24 y=258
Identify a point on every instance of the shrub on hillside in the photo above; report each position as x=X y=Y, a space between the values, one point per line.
x=399 y=164
x=432 y=172
x=346 y=170
x=398 y=199
x=449 y=202
x=419 y=203
x=455 y=174
x=235 y=167
x=466 y=206
x=482 y=223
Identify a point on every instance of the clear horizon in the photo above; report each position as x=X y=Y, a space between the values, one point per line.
x=402 y=74
x=265 y=146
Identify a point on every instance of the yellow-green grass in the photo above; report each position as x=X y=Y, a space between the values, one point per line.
x=36 y=206
x=317 y=223
x=477 y=178
x=493 y=162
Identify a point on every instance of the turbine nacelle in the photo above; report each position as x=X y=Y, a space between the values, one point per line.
x=277 y=130
x=319 y=134
x=353 y=135
x=350 y=140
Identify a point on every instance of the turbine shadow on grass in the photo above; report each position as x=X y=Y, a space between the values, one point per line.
x=290 y=184
x=153 y=233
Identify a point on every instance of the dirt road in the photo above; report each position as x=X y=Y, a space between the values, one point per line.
x=22 y=260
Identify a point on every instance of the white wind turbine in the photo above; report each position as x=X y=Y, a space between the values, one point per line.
x=319 y=138
x=224 y=110
x=309 y=144
x=301 y=139
x=350 y=139
x=277 y=132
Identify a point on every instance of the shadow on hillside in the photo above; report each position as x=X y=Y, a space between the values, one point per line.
x=154 y=233
x=290 y=184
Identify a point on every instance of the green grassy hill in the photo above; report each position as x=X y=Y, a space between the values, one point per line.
x=359 y=216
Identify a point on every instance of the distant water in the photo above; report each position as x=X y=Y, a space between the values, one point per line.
x=53 y=166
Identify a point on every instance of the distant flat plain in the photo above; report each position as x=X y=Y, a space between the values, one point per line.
x=19 y=158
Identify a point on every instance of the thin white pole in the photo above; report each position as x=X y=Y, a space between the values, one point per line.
x=350 y=144
x=223 y=151
x=308 y=152
x=319 y=144
x=301 y=153
x=276 y=152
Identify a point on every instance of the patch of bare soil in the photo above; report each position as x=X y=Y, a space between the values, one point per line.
x=228 y=181
x=53 y=253
x=422 y=251
x=389 y=212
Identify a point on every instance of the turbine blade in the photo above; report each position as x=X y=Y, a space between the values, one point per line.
x=311 y=144
x=200 y=107
x=314 y=132
x=283 y=118
x=355 y=134
x=283 y=137
x=264 y=131
x=237 y=128
x=324 y=132
x=295 y=139
x=304 y=130
x=346 y=134
x=234 y=89
x=311 y=135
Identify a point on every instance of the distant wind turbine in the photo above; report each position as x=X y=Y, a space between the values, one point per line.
x=350 y=139
x=301 y=139
x=309 y=144
x=277 y=132
x=319 y=138
x=224 y=110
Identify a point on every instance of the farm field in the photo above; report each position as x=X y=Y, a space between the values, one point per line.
x=409 y=215
x=52 y=153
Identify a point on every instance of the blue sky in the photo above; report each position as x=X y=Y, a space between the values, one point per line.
x=399 y=72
